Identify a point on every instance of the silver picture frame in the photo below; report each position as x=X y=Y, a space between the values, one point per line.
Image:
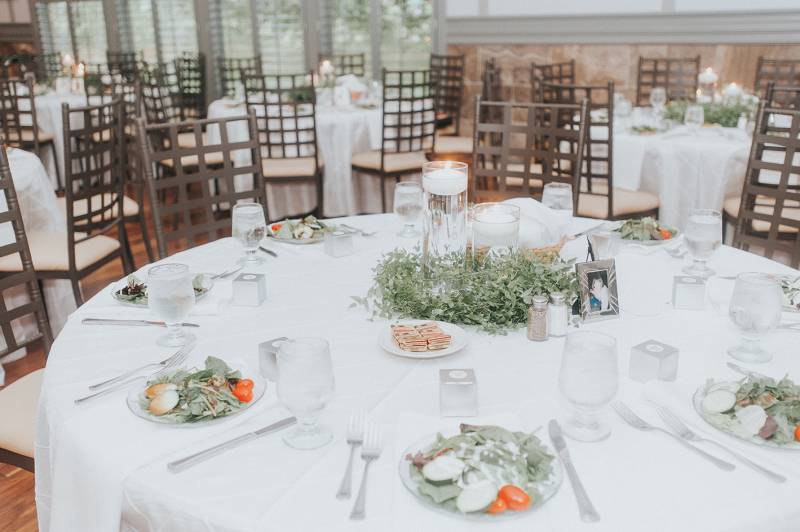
x=597 y=290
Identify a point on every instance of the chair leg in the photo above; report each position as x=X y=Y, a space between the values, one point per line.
x=125 y=252
x=320 y=196
x=146 y=238
x=76 y=290
x=59 y=183
x=383 y=193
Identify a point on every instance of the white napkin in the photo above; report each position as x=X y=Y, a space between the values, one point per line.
x=539 y=225
x=351 y=83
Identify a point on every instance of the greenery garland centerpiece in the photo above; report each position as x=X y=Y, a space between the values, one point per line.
x=492 y=294
x=724 y=114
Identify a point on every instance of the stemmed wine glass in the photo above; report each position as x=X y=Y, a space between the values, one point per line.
x=755 y=309
x=305 y=384
x=408 y=206
x=658 y=99
x=703 y=237
x=170 y=295
x=249 y=227
x=694 y=117
x=588 y=380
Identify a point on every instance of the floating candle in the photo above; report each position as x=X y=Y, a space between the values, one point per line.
x=447 y=181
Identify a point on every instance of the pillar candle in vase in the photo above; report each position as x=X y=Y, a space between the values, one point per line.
x=495 y=228
x=444 y=184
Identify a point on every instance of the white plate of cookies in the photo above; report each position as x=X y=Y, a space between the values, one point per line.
x=422 y=338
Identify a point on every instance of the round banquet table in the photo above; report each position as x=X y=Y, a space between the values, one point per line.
x=341 y=132
x=99 y=467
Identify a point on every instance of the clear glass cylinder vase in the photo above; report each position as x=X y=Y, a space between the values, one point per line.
x=444 y=184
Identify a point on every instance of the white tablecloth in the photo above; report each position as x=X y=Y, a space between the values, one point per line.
x=341 y=132
x=686 y=169
x=50 y=120
x=101 y=468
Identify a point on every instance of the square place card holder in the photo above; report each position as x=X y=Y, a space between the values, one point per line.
x=653 y=360
x=688 y=292
x=249 y=289
x=458 y=393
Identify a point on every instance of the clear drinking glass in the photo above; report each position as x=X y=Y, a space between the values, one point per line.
x=558 y=196
x=658 y=99
x=170 y=295
x=495 y=228
x=755 y=309
x=305 y=384
x=588 y=380
x=249 y=227
x=408 y=206
x=703 y=237
x=694 y=116
x=444 y=184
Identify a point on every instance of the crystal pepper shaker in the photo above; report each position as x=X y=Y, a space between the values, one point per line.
x=537 y=319
x=557 y=315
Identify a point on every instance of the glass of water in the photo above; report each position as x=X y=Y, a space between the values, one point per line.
x=588 y=380
x=755 y=309
x=703 y=237
x=558 y=197
x=408 y=206
x=694 y=117
x=249 y=227
x=170 y=295
x=658 y=99
x=305 y=385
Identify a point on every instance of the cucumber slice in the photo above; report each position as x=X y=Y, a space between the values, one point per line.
x=443 y=468
x=752 y=418
x=718 y=401
x=476 y=497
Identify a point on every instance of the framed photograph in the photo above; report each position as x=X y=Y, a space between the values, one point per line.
x=597 y=283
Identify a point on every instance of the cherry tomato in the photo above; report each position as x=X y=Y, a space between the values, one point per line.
x=797 y=433
x=245 y=383
x=243 y=393
x=497 y=507
x=515 y=497
x=665 y=234
x=276 y=227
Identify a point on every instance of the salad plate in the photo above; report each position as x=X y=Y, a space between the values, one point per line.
x=483 y=473
x=192 y=397
x=757 y=409
x=457 y=341
x=646 y=232
x=308 y=230
x=133 y=291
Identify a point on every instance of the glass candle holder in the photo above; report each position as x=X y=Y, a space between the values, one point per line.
x=495 y=228
x=444 y=185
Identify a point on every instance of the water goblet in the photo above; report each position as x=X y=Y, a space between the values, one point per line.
x=694 y=117
x=588 y=380
x=305 y=385
x=658 y=99
x=703 y=237
x=408 y=206
x=249 y=227
x=558 y=196
x=755 y=309
x=170 y=295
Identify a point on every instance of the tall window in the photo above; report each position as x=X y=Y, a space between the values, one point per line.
x=160 y=29
x=77 y=28
x=177 y=30
x=235 y=27
x=137 y=28
x=346 y=29
x=406 y=29
x=281 y=40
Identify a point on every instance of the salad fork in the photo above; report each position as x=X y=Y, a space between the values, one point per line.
x=361 y=232
x=355 y=437
x=675 y=423
x=179 y=354
x=370 y=452
x=638 y=423
x=226 y=273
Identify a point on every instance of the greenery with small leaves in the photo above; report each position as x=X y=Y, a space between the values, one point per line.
x=714 y=113
x=493 y=294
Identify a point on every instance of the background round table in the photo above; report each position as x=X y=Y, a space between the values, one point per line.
x=99 y=467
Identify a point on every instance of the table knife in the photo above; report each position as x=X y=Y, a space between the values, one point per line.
x=268 y=251
x=747 y=372
x=135 y=323
x=184 y=463
x=585 y=506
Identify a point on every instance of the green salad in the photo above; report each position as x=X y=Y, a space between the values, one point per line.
x=483 y=469
x=135 y=291
x=306 y=229
x=645 y=229
x=791 y=292
x=755 y=407
x=189 y=396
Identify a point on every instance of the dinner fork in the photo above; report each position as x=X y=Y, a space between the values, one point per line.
x=675 y=423
x=184 y=352
x=164 y=363
x=226 y=273
x=361 y=232
x=355 y=437
x=370 y=452
x=638 y=423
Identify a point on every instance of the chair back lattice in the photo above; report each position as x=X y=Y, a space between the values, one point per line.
x=782 y=96
x=192 y=201
x=230 y=71
x=48 y=67
x=159 y=95
x=525 y=148
x=597 y=174
x=558 y=73
x=190 y=70
x=285 y=108
x=344 y=64
x=447 y=76
x=94 y=146
x=409 y=114
x=13 y=313
x=18 y=113
x=780 y=72
x=19 y=66
x=678 y=77
x=769 y=212
x=125 y=64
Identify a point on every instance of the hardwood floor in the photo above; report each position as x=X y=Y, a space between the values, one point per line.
x=18 y=510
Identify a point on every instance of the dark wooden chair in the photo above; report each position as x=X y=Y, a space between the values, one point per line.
x=558 y=73
x=230 y=71
x=408 y=131
x=519 y=148
x=285 y=107
x=779 y=72
x=598 y=196
x=48 y=67
x=767 y=213
x=18 y=402
x=126 y=64
x=678 y=77
x=447 y=77
x=782 y=95
x=190 y=71
x=18 y=121
x=191 y=206
x=344 y=64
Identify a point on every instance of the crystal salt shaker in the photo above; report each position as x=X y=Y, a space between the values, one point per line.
x=557 y=315
x=537 y=319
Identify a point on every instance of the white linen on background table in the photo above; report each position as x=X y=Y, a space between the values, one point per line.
x=341 y=132
x=101 y=468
